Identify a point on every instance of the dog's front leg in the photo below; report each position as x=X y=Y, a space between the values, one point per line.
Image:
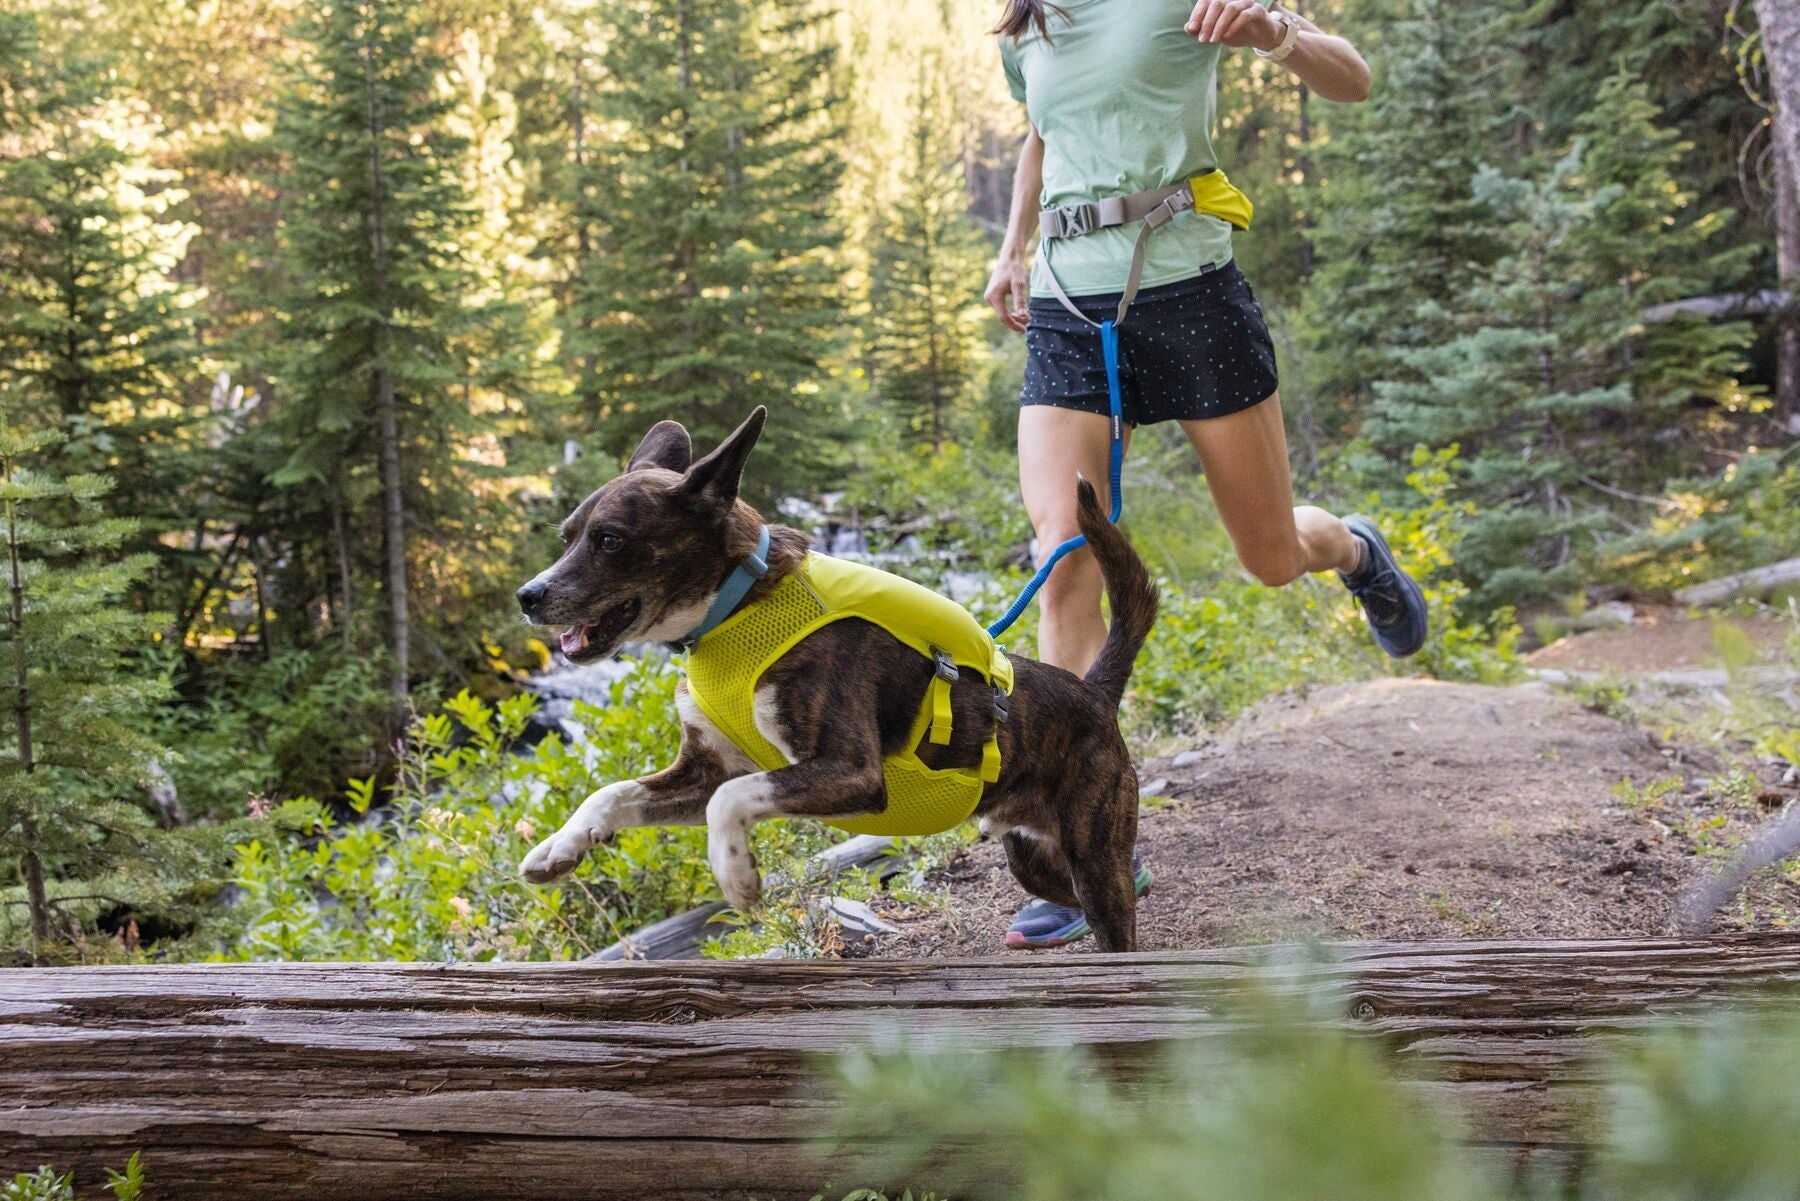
x=815 y=788
x=675 y=797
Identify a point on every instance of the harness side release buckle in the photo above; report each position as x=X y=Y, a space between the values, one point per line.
x=1001 y=710
x=946 y=666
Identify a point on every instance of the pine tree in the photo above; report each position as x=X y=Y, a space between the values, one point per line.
x=69 y=700
x=1554 y=380
x=928 y=268
x=712 y=282
x=96 y=339
x=374 y=412
x=1400 y=235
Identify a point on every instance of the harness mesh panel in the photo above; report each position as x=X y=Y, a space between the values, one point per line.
x=919 y=799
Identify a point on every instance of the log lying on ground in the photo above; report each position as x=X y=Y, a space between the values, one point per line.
x=1729 y=304
x=1755 y=582
x=364 y=1082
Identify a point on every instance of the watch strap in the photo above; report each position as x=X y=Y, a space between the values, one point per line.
x=1290 y=35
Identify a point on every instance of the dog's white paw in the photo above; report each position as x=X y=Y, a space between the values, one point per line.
x=735 y=870
x=552 y=859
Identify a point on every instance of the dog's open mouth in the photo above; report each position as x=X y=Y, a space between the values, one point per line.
x=599 y=637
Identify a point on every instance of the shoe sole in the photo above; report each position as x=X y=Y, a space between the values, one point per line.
x=1074 y=931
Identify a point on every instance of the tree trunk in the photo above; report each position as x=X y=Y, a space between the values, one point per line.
x=360 y=1082
x=37 y=900
x=1780 y=24
x=393 y=500
x=1787 y=320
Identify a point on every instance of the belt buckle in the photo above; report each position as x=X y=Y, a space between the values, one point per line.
x=1077 y=219
x=945 y=666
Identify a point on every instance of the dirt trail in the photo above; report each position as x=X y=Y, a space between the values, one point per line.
x=1401 y=808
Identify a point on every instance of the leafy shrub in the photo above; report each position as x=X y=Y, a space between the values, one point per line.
x=433 y=874
x=297 y=723
x=1285 y=1104
x=1745 y=517
x=46 y=1184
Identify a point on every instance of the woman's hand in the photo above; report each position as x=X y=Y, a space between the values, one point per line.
x=1240 y=23
x=1009 y=291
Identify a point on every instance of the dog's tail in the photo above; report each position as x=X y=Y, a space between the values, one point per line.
x=1128 y=589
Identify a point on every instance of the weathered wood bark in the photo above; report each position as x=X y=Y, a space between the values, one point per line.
x=366 y=1082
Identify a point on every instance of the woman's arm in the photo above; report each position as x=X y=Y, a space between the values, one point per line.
x=1329 y=65
x=1009 y=288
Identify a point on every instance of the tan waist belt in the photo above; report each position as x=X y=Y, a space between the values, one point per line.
x=1210 y=193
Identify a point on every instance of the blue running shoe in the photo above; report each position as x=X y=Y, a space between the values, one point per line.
x=1046 y=924
x=1390 y=598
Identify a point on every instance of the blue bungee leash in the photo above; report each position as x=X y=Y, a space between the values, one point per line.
x=1109 y=344
x=1209 y=192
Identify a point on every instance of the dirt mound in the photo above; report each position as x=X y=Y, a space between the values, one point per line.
x=1395 y=809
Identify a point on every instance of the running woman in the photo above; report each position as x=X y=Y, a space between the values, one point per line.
x=1121 y=95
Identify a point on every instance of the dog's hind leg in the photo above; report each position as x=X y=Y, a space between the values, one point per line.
x=1039 y=865
x=1099 y=841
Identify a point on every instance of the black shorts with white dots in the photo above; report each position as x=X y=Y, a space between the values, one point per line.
x=1192 y=349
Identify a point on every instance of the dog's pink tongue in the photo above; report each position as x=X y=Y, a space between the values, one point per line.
x=575 y=640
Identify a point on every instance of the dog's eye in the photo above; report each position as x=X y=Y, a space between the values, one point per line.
x=608 y=541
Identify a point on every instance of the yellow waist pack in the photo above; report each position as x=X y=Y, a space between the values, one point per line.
x=725 y=665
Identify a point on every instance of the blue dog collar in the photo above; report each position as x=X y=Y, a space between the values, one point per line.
x=732 y=592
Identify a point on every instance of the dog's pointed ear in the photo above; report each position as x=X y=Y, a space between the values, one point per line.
x=667 y=445
x=717 y=476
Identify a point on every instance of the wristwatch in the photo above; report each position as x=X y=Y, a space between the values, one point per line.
x=1290 y=26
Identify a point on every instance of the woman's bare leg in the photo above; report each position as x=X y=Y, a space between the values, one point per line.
x=1055 y=444
x=1246 y=461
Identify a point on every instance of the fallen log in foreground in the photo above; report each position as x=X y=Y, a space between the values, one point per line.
x=369 y=1081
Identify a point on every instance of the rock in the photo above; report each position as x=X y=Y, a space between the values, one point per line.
x=1154 y=788
x=853 y=917
x=1187 y=758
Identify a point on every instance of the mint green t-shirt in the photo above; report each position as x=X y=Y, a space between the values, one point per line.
x=1123 y=98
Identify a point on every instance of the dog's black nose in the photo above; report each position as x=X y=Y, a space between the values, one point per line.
x=531 y=596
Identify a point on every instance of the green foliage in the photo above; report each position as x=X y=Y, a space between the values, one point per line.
x=1223 y=642
x=1398 y=225
x=1704 y=1112
x=46 y=1184
x=1281 y=1108
x=96 y=335
x=297 y=723
x=1287 y=1103
x=1746 y=516
x=72 y=707
x=1555 y=373
x=706 y=279
x=926 y=279
x=433 y=873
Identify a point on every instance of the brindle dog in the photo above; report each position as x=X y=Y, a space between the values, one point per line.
x=643 y=558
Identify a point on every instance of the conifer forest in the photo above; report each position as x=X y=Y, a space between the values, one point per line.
x=317 y=317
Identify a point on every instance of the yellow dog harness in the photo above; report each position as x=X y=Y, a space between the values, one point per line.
x=725 y=663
